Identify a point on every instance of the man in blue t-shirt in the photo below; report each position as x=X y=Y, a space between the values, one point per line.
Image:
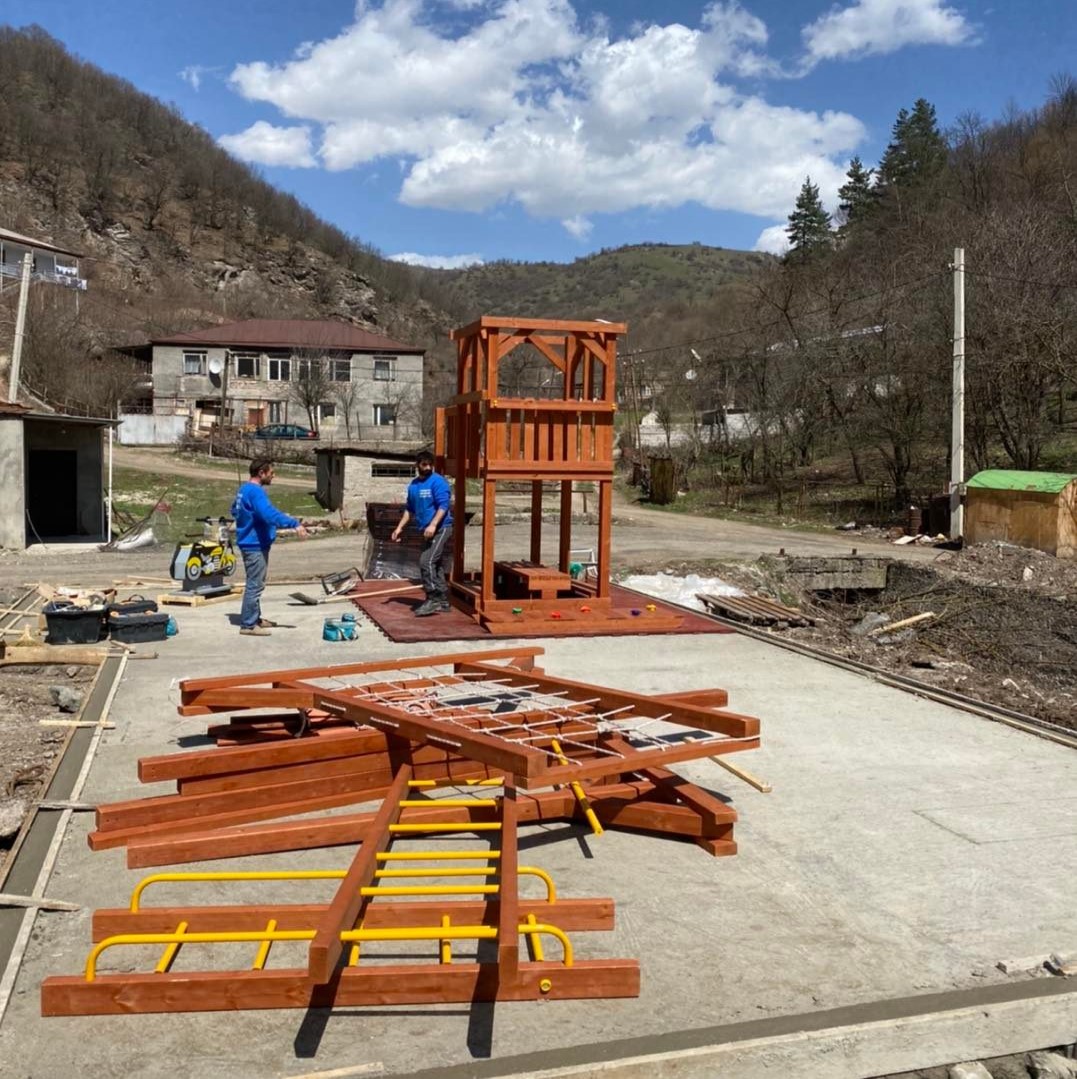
x=257 y=521
x=428 y=504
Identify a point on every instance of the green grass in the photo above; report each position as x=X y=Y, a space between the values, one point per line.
x=233 y=466
x=135 y=491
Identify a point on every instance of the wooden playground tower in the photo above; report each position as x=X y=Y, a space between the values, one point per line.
x=564 y=438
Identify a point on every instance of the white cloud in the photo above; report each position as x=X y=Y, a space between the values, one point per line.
x=578 y=226
x=438 y=262
x=869 y=27
x=520 y=102
x=192 y=74
x=773 y=240
x=264 y=144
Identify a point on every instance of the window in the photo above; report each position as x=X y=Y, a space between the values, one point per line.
x=384 y=368
x=340 y=370
x=384 y=415
x=328 y=410
x=304 y=369
x=388 y=470
x=280 y=370
x=194 y=363
x=247 y=364
x=276 y=412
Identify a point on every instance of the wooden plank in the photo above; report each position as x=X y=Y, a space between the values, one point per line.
x=211 y=991
x=508 y=939
x=571 y=915
x=183 y=808
x=340 y=742
x=344 y=910
x=230 y=842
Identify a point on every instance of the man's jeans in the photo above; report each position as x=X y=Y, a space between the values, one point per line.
x=436 y=556
x=255 y=564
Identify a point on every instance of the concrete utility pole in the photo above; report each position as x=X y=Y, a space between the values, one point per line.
x=957 y=431
x=20 y=326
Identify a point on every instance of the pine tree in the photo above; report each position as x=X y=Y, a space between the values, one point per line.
x=856 y=194
x=917 y=150
x=809 y=223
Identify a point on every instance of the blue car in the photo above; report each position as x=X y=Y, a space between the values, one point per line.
x=284 y=431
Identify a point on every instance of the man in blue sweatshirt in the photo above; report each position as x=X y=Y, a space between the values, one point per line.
x=428 y=504
x=257 y=521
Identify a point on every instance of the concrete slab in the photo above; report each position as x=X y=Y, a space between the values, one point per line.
x=906 y=847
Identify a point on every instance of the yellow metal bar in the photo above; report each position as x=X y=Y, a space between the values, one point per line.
x=288 y=874
x=485 y=871
x=165 y=962
x=463 y=826
x=433 y=889
x=353 y=955
x=446 y=946
x=456 y=783
x=348 y=936
x=437 y=855
x=532 y=929
x=263 y=948
x=435 y=871
x=578 y=792
x=339 y=874
x=535 y=941
x=448 y=803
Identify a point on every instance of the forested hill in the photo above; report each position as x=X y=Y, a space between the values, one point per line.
x=619 y=284
x=176 y=232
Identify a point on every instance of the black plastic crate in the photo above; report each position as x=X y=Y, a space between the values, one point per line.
x=136 y=628
x=132 y=605
x=68 y=624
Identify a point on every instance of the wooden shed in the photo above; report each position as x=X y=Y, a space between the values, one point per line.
x=1030 y=509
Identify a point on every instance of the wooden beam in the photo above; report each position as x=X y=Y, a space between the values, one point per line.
x=354 y=987
x=344 y=910
x=575 y=915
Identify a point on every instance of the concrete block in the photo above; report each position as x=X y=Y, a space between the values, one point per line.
x=972 y=1070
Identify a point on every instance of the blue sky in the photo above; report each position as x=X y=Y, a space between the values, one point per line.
x=457 y=130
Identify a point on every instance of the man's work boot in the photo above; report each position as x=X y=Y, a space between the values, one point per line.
x=431 y=606
x=255 y=631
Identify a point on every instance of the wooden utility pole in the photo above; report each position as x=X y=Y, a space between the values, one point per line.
x=20 y=327
x=957 y=430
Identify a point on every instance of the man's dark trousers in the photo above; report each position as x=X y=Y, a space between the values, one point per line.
x=433 y=562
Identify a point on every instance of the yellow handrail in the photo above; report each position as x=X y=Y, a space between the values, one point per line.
x=439 y=933
x=339 y=874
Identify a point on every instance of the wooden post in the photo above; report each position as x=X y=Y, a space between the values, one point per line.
x=605 y=520
x=566 y=526
x=536 y=520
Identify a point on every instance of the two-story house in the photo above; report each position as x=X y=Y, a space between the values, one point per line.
x=351 y=383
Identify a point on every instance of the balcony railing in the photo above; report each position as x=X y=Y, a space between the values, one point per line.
x=56 y=277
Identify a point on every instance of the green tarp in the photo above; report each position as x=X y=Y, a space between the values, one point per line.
x=1004 y=479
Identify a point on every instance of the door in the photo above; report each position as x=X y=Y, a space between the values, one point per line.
x=52 y=494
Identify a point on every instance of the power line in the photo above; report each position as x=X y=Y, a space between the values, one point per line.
x=779 y=322
x=1021 y=280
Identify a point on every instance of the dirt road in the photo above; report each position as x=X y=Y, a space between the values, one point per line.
x=163 y=459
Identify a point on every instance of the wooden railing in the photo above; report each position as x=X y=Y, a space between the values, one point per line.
x=529 y=439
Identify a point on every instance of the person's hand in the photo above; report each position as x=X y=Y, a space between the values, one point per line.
x=429 y=531
x=396 y=535
x=302 y=532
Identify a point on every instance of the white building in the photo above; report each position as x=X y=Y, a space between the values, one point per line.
x=370 y=388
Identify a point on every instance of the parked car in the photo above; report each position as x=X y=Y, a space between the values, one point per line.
x=284 y=430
